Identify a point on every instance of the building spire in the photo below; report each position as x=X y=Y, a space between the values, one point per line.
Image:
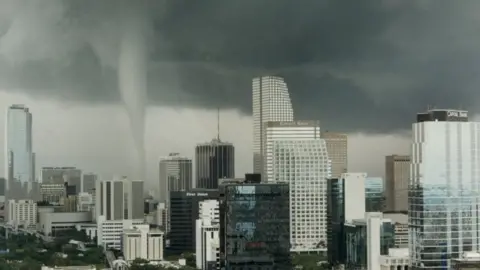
x=218 y=123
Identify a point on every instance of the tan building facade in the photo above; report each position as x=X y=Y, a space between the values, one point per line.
x=337 y=147
x=397 y=175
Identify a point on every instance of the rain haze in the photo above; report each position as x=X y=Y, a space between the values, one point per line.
x=108 y=81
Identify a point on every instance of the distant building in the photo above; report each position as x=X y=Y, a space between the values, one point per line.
x=88 y=185
x=52 y=193
x=397 y=175
x=214 y=160
x=400 y=222
x=175 y=175
x=85 y=202
x=254 y=226
x=3 y=188
x=140 y=242
x=270 y=102
x=337 y=147
x=22 y=213
x=19 y=157
x=61 y=175
x=374 y=194
x=184 y=212
x=119 y=199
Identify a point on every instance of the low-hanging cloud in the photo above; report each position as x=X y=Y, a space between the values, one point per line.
x=356 y=65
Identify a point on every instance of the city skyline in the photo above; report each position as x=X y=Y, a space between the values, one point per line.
x=77 y=124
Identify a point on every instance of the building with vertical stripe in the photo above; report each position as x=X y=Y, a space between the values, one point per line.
x=270 y=102
x=214 y=160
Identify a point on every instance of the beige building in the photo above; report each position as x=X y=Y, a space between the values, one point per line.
x=337 y=147
x=143 y=243
x=397 y=175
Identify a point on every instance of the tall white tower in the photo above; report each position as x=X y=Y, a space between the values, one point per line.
x=19 y=158
x=296 y=154
x=444 y=198
x=271 y=102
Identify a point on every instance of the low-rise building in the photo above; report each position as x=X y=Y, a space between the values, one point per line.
x=468 y=261
x=397 y=258
x=110 y=232
x=143 y=243
x=52 y=222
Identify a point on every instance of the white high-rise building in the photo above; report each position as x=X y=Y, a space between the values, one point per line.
x=110 y=232
x=140 y=242
x=207 y=233
x=22 y=213
x=19 y=157
x=296 y=154
x=271 y=102
x=119 y=199
x=444 y=188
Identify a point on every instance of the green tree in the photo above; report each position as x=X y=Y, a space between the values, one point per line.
x=190 y=259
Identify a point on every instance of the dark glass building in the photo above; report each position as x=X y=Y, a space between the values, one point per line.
x=214 y=160
x=335 y=221
x=254 y=226
x=183 y=214
x=374 y=197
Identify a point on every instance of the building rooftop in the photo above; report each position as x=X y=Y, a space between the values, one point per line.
x=396 y=217
x=215 y=141
x=298 y=123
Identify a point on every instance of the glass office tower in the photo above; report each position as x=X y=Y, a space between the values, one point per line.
x=19 y=158
x=254 y=226
x=444 y=188
x=374 y=197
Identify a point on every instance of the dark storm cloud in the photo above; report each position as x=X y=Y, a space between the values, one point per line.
x=355 y=65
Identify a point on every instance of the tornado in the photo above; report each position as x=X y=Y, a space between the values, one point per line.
x=132 y=81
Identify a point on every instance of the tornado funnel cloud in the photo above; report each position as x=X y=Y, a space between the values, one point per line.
x=133 y=83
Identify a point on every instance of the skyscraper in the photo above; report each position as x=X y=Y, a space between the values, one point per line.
x=444 y=188
x=119 y=199
x=296 y=154
x=271 y=102
x=175 y=174
x=19 y=158
x=214 y=160
x=337 y=147
x=397 y=176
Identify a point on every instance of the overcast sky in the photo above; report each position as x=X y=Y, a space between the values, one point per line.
x=362 y=67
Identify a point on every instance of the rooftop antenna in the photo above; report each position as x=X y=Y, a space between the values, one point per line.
x=218 y=123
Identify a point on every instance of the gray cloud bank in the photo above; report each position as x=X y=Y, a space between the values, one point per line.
x=365 y=65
